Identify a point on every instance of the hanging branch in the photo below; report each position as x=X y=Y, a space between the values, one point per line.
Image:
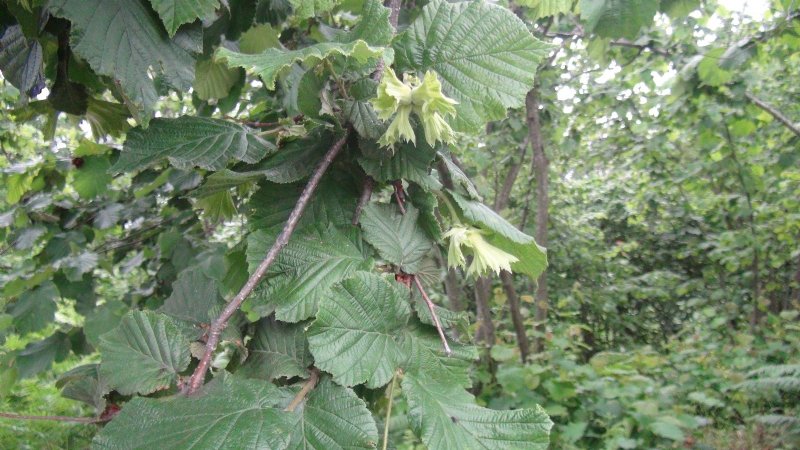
x=219 y=324
x=795 y=128
x=312 y=381
x=55 y=418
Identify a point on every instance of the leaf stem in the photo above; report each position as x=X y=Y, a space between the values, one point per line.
x=389 y=411
x=433 y=315
x=312 y=381
x=219 y=324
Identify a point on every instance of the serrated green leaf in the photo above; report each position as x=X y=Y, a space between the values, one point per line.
x=305 y=9
x=194 y=296
x=505 y=236
x=373 y=26
x=217 y=207
x=92 y=179
x=396 y=236
x=144 y=353
x=617 y=18
x=214 y=80
x=277 y=350
x=407 y=162
x=305 y=270
x=226 y=413
x=427 y=358
x=547 y=8
x=21 y=60
x=446 y=416
x=123 y=40
x=34 y=309
x=259 y=38
x=356 y=334
x=106 y=118
x=334 y=204
x=484 y=55
x=85 y=384
x=191 y=141
x=37 y=357
x=175 y=13
x=272 y=62
x=333 y=417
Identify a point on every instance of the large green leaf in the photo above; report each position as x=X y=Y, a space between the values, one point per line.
x=617 y=18
x=175 y=13
x=144 y=353
x=20 y=60
x=407 y=162
x=333 y=417
x=226 y=413
x=277 y=350
x=273 y=62
x=91 y=178
x=194 y=296
x=191 y=141
x=214 y=80
x=309 y=8
x=124 y=41
x=373 y=26
x=356 y=334
x=334 y=204
x=397 y=237
x=34 y=309
x=532 y=257
x=427 y=358
x=485 y=57
x=446 y=416
x=305 y=270
x=547 y=8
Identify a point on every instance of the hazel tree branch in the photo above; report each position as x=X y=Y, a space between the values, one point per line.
x=219 y=324
x=312 y=381
x=54 y=418
x=774 y=112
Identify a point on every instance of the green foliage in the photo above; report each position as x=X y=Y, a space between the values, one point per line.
x=141 y=191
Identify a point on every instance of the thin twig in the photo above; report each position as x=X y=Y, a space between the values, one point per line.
x=394 y=15
x=307 y=387
x=433 y=315
x=366 y=194
x=774 y=112
x=219 y=324
x=54 y=418
x=389 y=412
x=400 y=195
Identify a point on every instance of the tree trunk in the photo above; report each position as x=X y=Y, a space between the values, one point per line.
x=485 y=332
x=541 y=169
x=516 y=315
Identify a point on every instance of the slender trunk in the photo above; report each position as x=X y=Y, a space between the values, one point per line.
x=541 y=169
x=516 y=314
x=485 y=332
x=451 y=287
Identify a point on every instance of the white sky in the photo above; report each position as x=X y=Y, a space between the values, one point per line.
x=752 y=8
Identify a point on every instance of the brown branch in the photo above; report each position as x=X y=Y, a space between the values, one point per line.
x=219 y=324
x=433 y=315
x=55 y=418
x=394 y=15
x=307 y=387
x=400 y=195
x=774 y=112
x=366 y=194
x=618 y=42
